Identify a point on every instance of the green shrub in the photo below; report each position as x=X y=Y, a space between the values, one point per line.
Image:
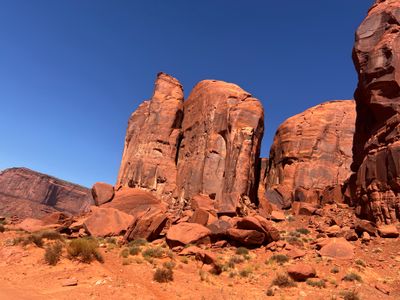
x=352 y=277
x=283 y=280
x=335 y=270
x=360 y=262
x=111 y=240
x=53 y=253
x=304 y=231
x=295 y=241
x=156 y=252
x=163 y=275
x=134 y=250
x=51 y=235
x=169 y=264
x=279 y=258
x=242 y=251
x=34 y=238
x=138 y=242
x=245 y=272
x=124 y=253
x=84 y=249
x=236 y=259
x=316 y=283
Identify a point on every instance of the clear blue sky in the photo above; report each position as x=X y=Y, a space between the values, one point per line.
x=72 y=72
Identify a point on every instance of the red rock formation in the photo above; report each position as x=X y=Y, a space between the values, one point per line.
x=376 y=147
x=26 y=193
x=311 y=154
x=152 y=137
x=222 y=131
x=102 y=193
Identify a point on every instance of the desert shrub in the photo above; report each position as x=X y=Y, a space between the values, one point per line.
x=163 y=275
x=242 y=251
x=295 y=241
x=138 y=242
x=279 y=258
x=51 y=235
x=236 y=259
x=2 y=229
x=156 y=252
x=283 y=280
x=350 y=295
x=304 y=231
x=360 y=262
x=316 y=283
x=124 y=253
x=111 y=240
x=294 y=233
x=169 y=264
x=35 y=238
x=352 y=277
x=134 y=250
x=335 y=270
x=270 y=292
x=53 y=253
x=246 y=272
x=84 y=249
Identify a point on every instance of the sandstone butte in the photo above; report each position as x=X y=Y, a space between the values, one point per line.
x=311 y=155
x=208 y=145
x=376 y=150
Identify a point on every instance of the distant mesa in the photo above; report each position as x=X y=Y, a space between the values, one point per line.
x=26 y=193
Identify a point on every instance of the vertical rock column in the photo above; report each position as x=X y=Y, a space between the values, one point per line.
x=222 y=132
x=376 y=148
x=152 y=138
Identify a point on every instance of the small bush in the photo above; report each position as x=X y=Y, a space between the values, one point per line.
x=111 y=240
x=163 y=275
x=236 y=259
x=85 y=250
x=279 y=258
x=169 y=264
x=51 y=235
x=316 y=283
x=124 y=253
x=304 y=231
x=156 y=252
x=2 y=229
x=335 y=270
x=134 y=250
x=270 y=292
x=245 y=272
x=360 y=262
x=294 y=233
x=352 y=277
x=242 y=251
x=35 y=238
x=185 y=260
x=138 y=242
x=283 y=280
x=350 y=295
x=53 y=253
x=295 y=241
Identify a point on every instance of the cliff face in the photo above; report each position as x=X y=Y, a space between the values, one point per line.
x=311 y=154
x=26 y=193
x=208 y=145
x=376 y=149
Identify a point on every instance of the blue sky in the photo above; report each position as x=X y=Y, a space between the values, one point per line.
x=72 y=72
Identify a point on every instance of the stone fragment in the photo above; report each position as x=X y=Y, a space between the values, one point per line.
x=246 y=237
x=200 y=216
x=338 y=248
x=301 y=272
x=277 y=216
x=102 y=193
x=388 y=231
x=186 y=233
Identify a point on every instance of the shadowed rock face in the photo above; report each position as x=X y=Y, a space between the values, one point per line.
x=222 y=132
x=152 y=137
x=376 y=149
x=26 y=193
x=208 y=145
x=311 y=154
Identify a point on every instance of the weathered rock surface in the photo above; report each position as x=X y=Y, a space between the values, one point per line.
x=102 y=193
x=376 y=149
x=26 y=193
x=186 y=233
x=152 y=140
x=218 y=156
x=311 y=153
x=301 y=272
x=107 y=222
x=337 y=248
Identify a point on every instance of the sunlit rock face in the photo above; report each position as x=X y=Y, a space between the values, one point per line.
x=376 y=149
x=311 y=155
x=26 y=193
x=207 y=146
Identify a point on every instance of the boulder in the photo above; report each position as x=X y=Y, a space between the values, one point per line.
x=222 y=131
x=30 y=194
x=338 y=248
x=219 y=229
x=102 y=193
x=203 y=202
x=152 y=140
x=105 y=222
x=311 y=154
x=303 y=208
x=388 y=231
x=365 y=226
x=301 y=272
x=186 y=233
x=376 y=149
x=200 y=216
x=277 y=216
x=259 y=224
x=148 y=226
x=246 y=237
